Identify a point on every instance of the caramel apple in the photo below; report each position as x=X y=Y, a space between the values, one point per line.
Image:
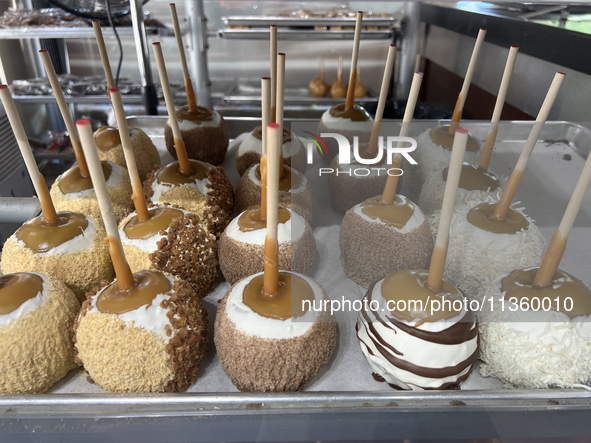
x=108 y=142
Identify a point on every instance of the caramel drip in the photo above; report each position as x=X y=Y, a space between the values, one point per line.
x=356 y=113
x=481 y=216
x=107 y=138
x=262 y=176
x=286 y=303
x=271 y=267
x=411 y=286
x=291 y=179
x=351 y=92
x=253 y=221
x=47 y=207
x=139 y=200
x=145 y=287
x=474 y=179
x=551 y=260
x=192 y=103
x=395 y=214
x=456 y=117
x=287 y=134
x=15 y=289
x=391 y=182
x=122 y=270
x=203 y=114
x=183 y=158
x=173 y=174
x=73 y=181
x=520 y=284
x=435 y=277
x=508 y=194
x=159 y=220
x=442 y=137
x=39 y=235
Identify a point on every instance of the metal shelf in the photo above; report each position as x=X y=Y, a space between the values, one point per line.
x=306 y=22
x=296 y=34
x=65 y=32
x=77 y=99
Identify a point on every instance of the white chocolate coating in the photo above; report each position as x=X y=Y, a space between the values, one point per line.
x=150 y=244
x=160 y=188
x=253 y=144
x=187 y=125
x=477 y=257
x=345 y=123
x=290 y=231
x=423 y=354
x=252 y=175
x=79 y=243
x=432 y=158
x=114 y=180
x=249 y=322
x=29 y=305
x=431 y=197
x=529 y=349
x=151 y=318
x=417 y=218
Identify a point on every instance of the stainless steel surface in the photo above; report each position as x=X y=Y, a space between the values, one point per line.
x=293 y=96
x=307 y=35
x=199 y=47
x=317 y=414
x=409 y=44
x=257 y=21
x=143 y=56
x=69 y=33
x=18 y=209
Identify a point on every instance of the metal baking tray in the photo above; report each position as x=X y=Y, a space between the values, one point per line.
x=251 y=94
x=343 y=401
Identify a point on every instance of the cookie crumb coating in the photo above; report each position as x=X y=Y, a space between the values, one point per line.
x=145 y=153
x=215 y=209
x=120 y=357
x=37 y=348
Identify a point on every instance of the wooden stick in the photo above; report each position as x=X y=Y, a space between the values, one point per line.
x=392 y=180
x=271 y=277
x=61 y=102
x=280 y=102
x=453 y=179
x=273 y=37
x=266 y=114
x=491 y=138
x=321 y=67
x=318 y=69
x=179 y=42
x=372 y=148
x=37 y=178
x=340 y=70
x=98 y=33
x=354 y=57
x=122 y=270
x=139 y=200
x=509 y=193
x=179 y=144
x=457 y=115
x=557 y=245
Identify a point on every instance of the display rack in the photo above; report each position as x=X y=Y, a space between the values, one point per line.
x=65 y=32
x=295 y=28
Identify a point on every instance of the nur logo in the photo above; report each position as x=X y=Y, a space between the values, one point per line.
x=394 y=145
